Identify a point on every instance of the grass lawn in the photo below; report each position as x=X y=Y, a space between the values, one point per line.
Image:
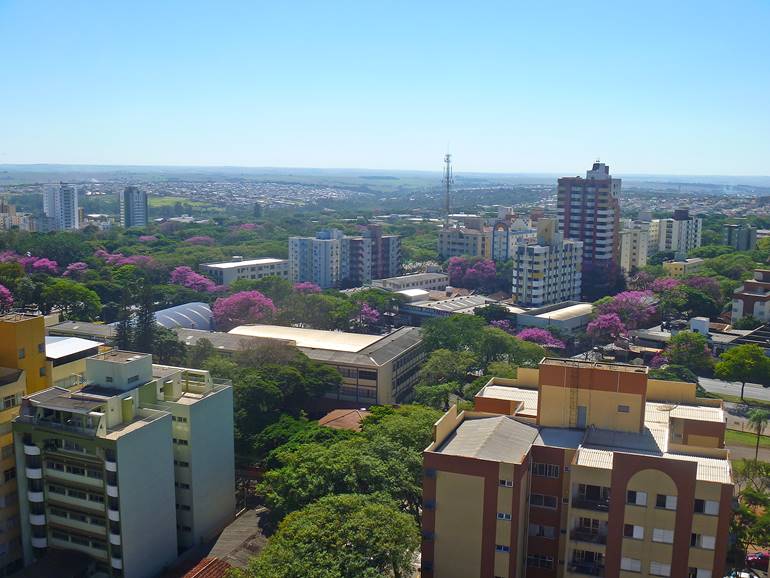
x=744 y=438
x=171 y=201
x=737 y=399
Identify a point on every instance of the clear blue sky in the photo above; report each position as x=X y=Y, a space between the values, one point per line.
x=651 y=87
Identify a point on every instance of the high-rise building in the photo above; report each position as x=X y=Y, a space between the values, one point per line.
x=355 y=261
x=133 y=207
x=386 y=252
x=316 y=260
x=742 y=237
x=132 y=468
x=681 y=234
x=506 y=234
x=634 y=242
x=22 y=346
x=61 y=208
x=752 y=299
x=548 y=271
x=589 y=211
x=578 y=469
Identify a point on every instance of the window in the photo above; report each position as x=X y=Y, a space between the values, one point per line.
x=506 y=483
x=539 y=561
x=502 y=548
x=370 y=375
x=635 y=532
x=503 y=516
x=181 y=464
x=108 y=379
x=96 y=498
x=664 y=536
x=7 y=451
x=666 y=502
x=41 y=371
x=41 y=347
x=77 y=494
x=660 y=569
x=541 y=501
x=54 y=489
x=9 y=474
x=10 y=401
x=22 y=353
x=542 y=531
x=631 y=564
x=95 y=474
x=708 y=507
x=702 y=541
x=698 y=573
x=623 y=409
x=133 y=379
x=545 y=470
x=182 y=485
x=78 y=471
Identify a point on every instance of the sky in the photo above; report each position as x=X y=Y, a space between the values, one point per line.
x=516 y=87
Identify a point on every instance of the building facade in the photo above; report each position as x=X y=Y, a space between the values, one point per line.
x=239 y=268
x=506 y=235
x=60 y=207
x=134 y=211
x=355 y=261
x=465 y=242
x=131 y=469
x=634 y=243
x=589 y=211
x=752 y=299
x=316 y=260
x=578 y=469
x=386 y=253
x=742 y=237
x=548 y=271
x=684 y=267
x=425 y=281
x=681 y=234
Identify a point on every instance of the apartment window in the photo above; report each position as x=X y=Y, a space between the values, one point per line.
x=502 y=548
x=503 y=516
x=80 y=540
x=542 y=501
x=632 y=531
x=664 y=536
x=41 y=371
x=506 y=483
x=186 y=508
x=181 y=464
x=133 y=379
x=370 y=375
x=95 y=474
x=10 y=401
x=9 y=474
x=77 y=494
x=96 y=498
x=698 y=573
x=22 y=353
x=78 y=517
x=54 y=489
x=59 y=512
x=78 y=471
x=179 y=419
x=539 y=561
x=708 y=507
x=182 y=485
x=545 y=470
x=108 y=379
x=181 y=442
x=660 y=569
x=631 y=564
x=703 y=541
x=41 y=347
x=7 y=451
x=542 y=531
x=60 y=535
x=666 y=502
x=624 y=409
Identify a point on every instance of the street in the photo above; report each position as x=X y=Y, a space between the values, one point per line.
x=719 y=387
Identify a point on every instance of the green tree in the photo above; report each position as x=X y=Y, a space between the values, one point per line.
x=690 y=349
x=501 y=369
x=199 y=352
x=344 y=536
x=526 y=353
x=687 y=301
x=673 y=373
x=747 y=322
x=435 y=396
x=493 y=344
x=456 y=332
x=758 y=419
x=144 y=336
x=443 y=365
x=75 y=300
x=744 y=363
x=493 y=312
x=166 y=348
x=124 y=331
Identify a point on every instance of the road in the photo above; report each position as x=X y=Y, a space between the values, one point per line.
x=719 y=387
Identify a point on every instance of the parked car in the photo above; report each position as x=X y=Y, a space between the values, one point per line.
x=758 y=560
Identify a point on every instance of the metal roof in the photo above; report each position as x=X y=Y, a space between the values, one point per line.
x=245 y=263
x=58 y=347
x=190 y=315
x=499 y=438
x=311 y=338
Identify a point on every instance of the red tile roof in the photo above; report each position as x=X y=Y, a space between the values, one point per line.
x=209 y=568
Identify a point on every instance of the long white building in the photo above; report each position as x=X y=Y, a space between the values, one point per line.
x=239 y=268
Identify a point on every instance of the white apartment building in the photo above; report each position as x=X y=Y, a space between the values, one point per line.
x=634 y=242
x=133 y=207
x=239 y=268
x=506 y=235
x=130 y=469
x=549 y=271
x=680 y=234
x=61 y=208
x=316 y=259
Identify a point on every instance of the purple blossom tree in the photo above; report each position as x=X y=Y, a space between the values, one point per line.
x=6 y=299
x=634 y=308
x=46 y=266
x=200 y=240
x=306 y=287
x=541 y=337
x=241 y=308
x=504 y=324
x=147 y=238
x=658 y=361
x=471 y=274
x=9 y=257
x=368 y=314
x=186 y=277
x=75 y=270
x=119 y=259
x=606 y=327
x=707 y=285
x=664 y=284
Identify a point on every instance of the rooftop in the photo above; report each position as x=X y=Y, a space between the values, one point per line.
x=84 y=328
x=311 y=338
x=416 y=277
x=625 y=367
x=194 y=315
x=495 y=438
x=465 y=303
x=245 y=263
x=527 y=396
x=349 y=419
x=221 y=340
x=9 y=375
x=561 y=311
x=120 y=356
x=59 y=347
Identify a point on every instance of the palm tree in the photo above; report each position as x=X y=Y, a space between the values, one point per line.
x=758 y=419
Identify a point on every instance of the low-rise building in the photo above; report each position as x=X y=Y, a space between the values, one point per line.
x=66 y=357
x=683 y=267
x=741 y=237
x=421 y=305
x=753 y=297
x=507 y=234
x=565 y=317
x=239 y=268
x=426 y=281
x=130 y=469
x=578 y=469
x=376 y=369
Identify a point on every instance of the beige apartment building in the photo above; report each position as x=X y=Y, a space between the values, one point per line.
x=684 y=267
x=578 y=469
x=634 y=242
x=465 y=242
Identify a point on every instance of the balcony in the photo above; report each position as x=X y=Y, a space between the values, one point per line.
x=31 y=450
x=113 y=515
x=110 y=465
x=116 y=563
x=37 y=519
x=35 y=497
x=597 y=505
x=586 y=569
x=112 y=491
x=34 y=473
x=579 y=535
x=114 y=539
x=39 y=542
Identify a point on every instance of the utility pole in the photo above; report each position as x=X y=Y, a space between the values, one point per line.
x=448 y=182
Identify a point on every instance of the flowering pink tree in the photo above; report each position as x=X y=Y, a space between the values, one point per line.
x=368 y=314
x=658 y=361
x=200 y=240
x=306 y=287
x=186 y=277
x=119 y=259
x=664 y=284
x=241 y=308
x=9 y=257
x=541 y=337
x=247 y=226
x=707 y=285
x=504 y=324
x=606 y=327
x=6 y=299
x=471 y=274
x=75 y=270
x=634 y=308
x=34 y=264
x=147 y=238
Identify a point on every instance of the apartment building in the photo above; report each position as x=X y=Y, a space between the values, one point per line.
x=386 y=252
x=425 y=281
x=684 y=267
x=130 y=469
x=589 y=211
x=742 y=237
x=316 y=260
x=238 y=268
x=680 y=234
x=506 y=235
x=60 y=207
x=578 y=469
x=355 y=261
x=22 y=346
x=634 y=243
x=465 y=242
x=548 y=271
x=134 y=211
x=753 y=297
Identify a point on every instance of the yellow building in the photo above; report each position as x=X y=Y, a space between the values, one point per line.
x=465 y=242
x=683 y=267
x=22 y=346
x=578 y=469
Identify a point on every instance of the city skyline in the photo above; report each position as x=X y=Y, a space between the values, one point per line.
x=506 y=89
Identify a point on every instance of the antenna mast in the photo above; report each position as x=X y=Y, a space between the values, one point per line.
x=448 y=182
